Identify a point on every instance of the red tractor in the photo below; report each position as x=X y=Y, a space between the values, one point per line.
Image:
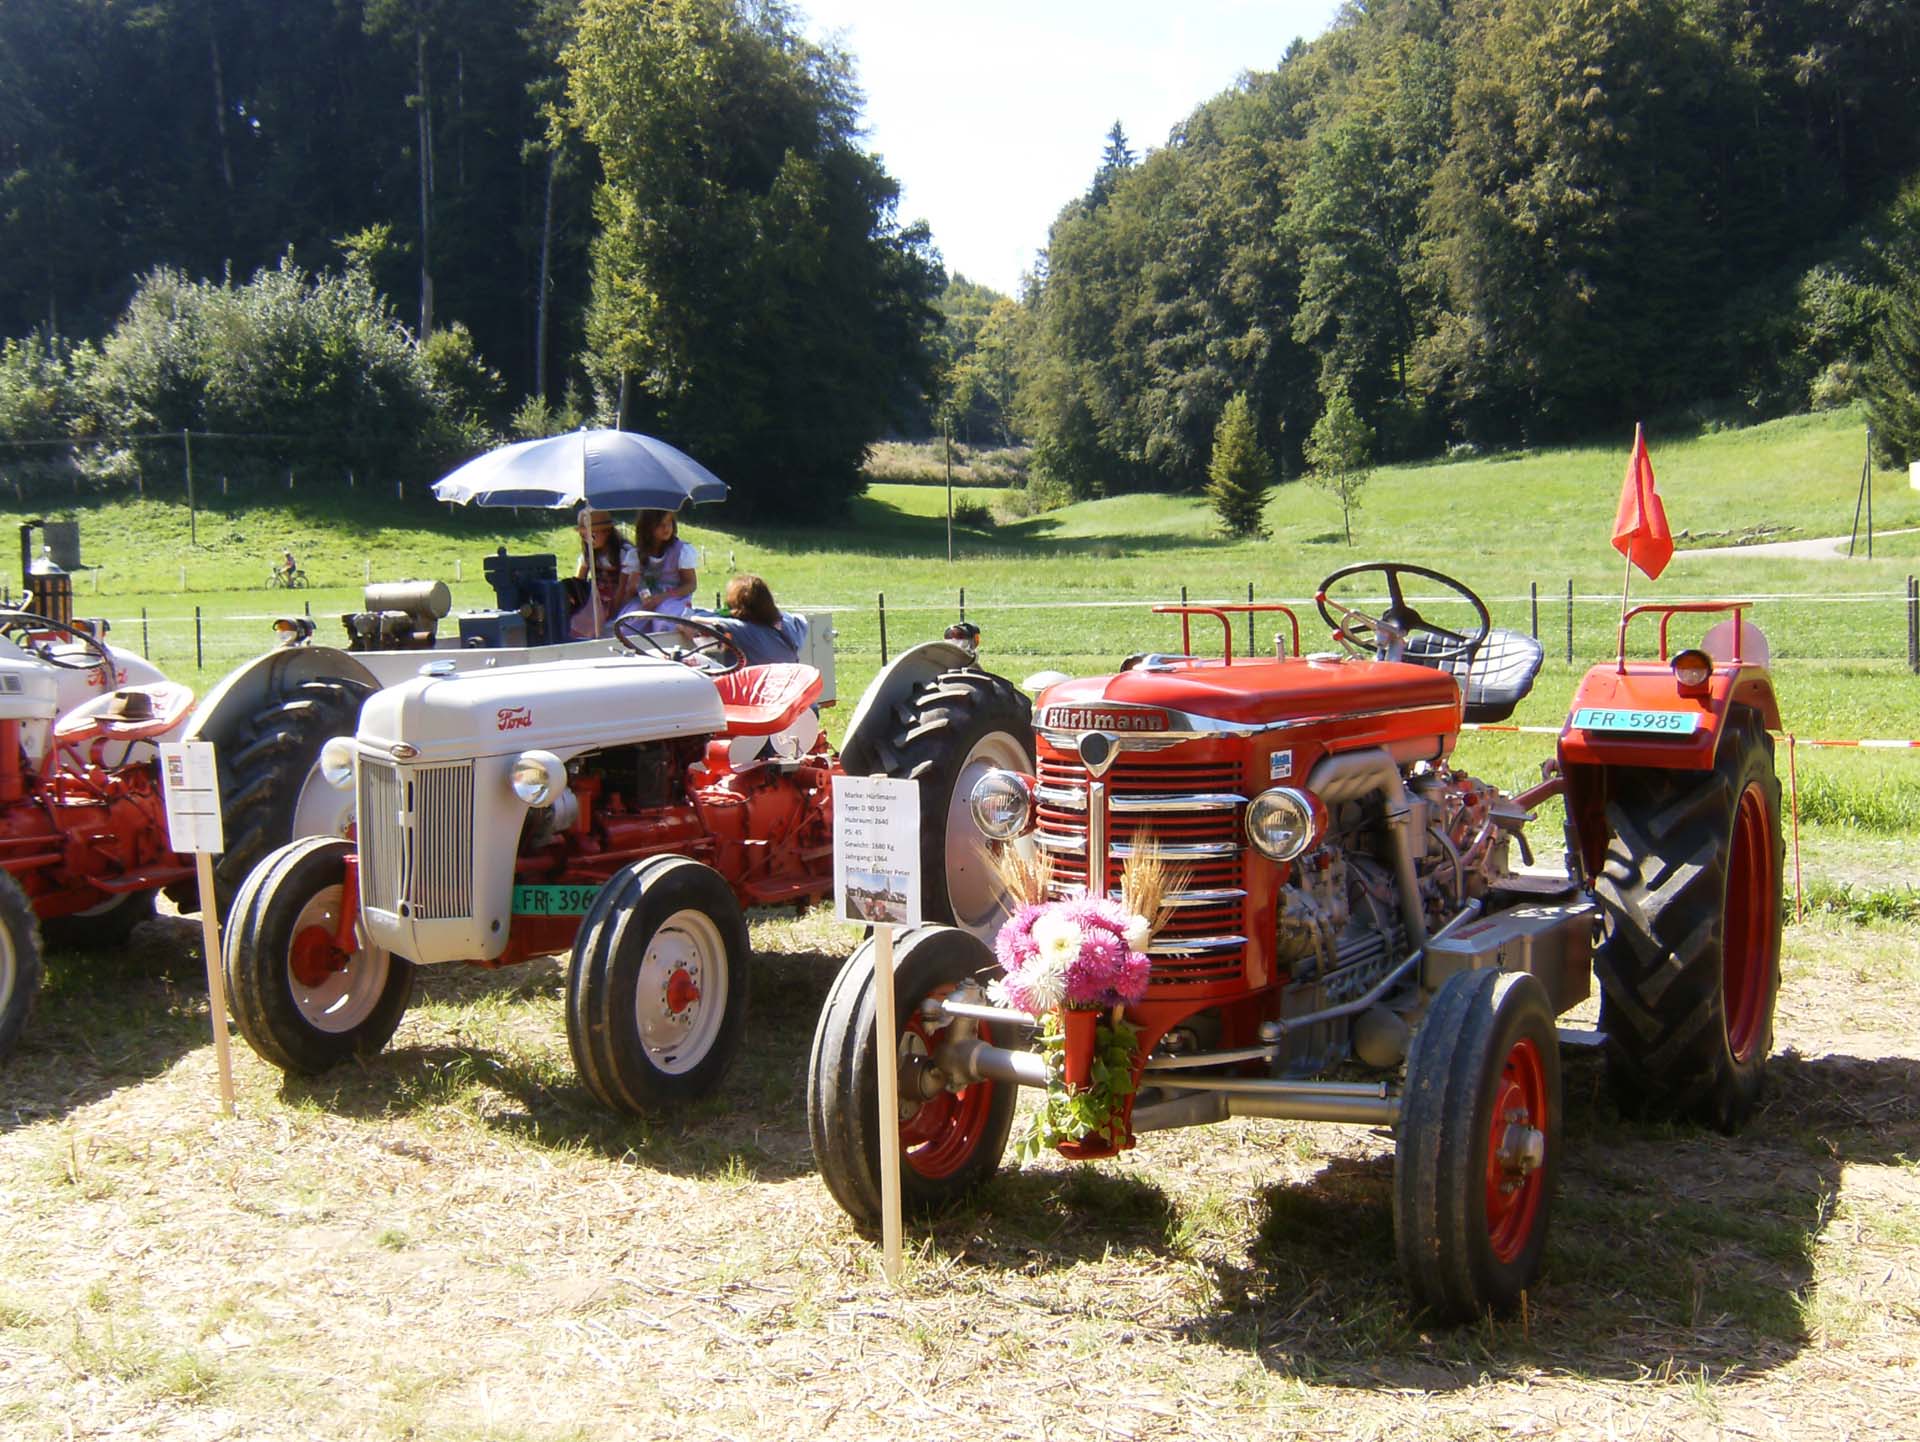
x=1361 y=932
x=83 y=833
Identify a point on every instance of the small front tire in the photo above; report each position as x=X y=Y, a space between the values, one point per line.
x=657 y=988
x=951 y=1140
x=19 y=962
x=302 y=1003
x=1477 y=1148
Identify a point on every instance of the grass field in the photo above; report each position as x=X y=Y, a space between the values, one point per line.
x=454 y=1243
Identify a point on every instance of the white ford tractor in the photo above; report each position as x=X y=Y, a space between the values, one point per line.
x=623 y=809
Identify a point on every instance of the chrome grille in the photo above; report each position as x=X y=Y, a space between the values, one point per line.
x=416 y=839
x=1193 y=813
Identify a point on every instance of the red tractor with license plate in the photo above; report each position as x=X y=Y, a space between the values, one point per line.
x=1359 y=931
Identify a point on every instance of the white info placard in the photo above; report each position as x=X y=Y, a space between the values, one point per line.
x=876 y=850
x=191 y=787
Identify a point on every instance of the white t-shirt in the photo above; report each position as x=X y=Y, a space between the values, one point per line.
x=667 y=572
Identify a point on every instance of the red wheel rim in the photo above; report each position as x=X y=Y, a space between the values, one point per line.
x=313 y=957
x=1516 y=1150
x=940 y=1137
x=1746 y=956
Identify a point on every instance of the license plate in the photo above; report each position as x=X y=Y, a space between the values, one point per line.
x=553 y=900
x=1646 y=723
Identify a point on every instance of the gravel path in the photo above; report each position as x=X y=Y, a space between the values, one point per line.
x=1825 y=549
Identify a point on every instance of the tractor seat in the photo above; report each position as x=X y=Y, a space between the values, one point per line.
x=1494 y=680
x=763 y=700
x=133 y=713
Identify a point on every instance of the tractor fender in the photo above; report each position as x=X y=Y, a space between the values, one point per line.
x=1588 y=755
x=873 y=718
x=243 y=693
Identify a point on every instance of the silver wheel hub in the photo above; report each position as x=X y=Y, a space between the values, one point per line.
x=681 y=998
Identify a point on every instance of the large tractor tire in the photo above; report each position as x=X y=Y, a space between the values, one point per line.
x=1690 y=966
x=657 y=988
x=301 y=1002
x=271 y=789
x=1477 y=1147
x=948 y=734
x=951 y=1141
x=19 y=962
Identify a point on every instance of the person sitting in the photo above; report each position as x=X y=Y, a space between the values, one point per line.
x=764 y=635
x=289 y=568
x=668 y=567
x=616 y=573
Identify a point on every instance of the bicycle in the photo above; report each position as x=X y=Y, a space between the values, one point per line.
x=281 y=579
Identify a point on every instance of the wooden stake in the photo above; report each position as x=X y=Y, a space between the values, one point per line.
x=216 y=981
x=886 y=1042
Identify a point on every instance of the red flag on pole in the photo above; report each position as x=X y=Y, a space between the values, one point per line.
x=1640 y=531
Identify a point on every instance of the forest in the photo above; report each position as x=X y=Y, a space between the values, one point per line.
x=384 y=232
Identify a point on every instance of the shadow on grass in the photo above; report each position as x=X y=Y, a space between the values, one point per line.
x=1670 y=1246
x=752 y=1123
x=105 y=1021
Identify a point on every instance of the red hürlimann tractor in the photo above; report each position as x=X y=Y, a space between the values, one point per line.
x=1352 y=939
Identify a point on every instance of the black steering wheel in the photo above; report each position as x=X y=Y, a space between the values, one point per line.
x=26 y=630
x=709 y=649
x=1384 y=637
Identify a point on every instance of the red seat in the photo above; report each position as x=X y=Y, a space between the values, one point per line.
x=762 y=700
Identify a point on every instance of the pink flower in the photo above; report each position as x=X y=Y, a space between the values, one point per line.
x=1079 y=953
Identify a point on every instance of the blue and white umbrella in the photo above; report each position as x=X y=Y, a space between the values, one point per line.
x=603 y=470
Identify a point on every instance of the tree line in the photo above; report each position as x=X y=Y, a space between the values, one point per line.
x=400 y=228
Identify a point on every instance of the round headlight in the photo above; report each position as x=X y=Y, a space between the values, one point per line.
x=1693 y=668
x=1002 y=803
x=336 y=761
x=538 y=777
x=1284 y=822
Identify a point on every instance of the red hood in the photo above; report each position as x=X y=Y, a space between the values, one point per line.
x=1251 y=692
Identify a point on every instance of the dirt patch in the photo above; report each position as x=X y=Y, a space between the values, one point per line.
x=454 y=1241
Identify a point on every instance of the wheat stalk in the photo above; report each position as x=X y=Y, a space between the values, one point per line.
x=1026 y=873
x=1147 y=880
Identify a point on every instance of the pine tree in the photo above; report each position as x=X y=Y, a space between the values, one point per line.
x=1892 y=382
x=1239 y=473
x=1340 y=454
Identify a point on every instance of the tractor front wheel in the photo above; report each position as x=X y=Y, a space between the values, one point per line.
x=1690 y=966
x=302 y=1001
x=19 y=962
x=1477 y=1148
x=951 y=732
x=657 y=988
x=951 y=1138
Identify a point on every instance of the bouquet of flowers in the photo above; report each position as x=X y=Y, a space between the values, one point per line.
x=1076 y=964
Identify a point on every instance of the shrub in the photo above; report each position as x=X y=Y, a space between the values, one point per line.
x=973 y=515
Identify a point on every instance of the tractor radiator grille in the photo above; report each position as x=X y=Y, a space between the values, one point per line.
x=416 y=839
x=1193 y=812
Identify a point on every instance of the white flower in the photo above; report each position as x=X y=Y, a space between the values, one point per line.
x=1059 y=941
x=997 y=992
x=1139 y=931
x=1045 y=983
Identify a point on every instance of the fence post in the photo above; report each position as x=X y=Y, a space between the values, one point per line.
x=1913 y=624
x=1569 y=622
x=199 y=655
x=309 y=608
x=1250 y=643
x=883 y=628
x=1534 y=586
x=193 y=506
x=183 y=577
x=963 y=603
x=143 y=634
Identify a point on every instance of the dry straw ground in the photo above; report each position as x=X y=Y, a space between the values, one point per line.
x=454 y=1243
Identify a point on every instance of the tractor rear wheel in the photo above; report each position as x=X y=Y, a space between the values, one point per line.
x=302 y=1002
x=19 y=962
x=271 y=789
x=1690 y=966
x=951 y=1139
x=1477 y=1147
x=657 y=988
x=949 y=733
x=104 y=927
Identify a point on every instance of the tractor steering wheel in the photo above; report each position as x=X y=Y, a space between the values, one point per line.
x=1384 y=637
x=711 y=650
x=23 y=626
